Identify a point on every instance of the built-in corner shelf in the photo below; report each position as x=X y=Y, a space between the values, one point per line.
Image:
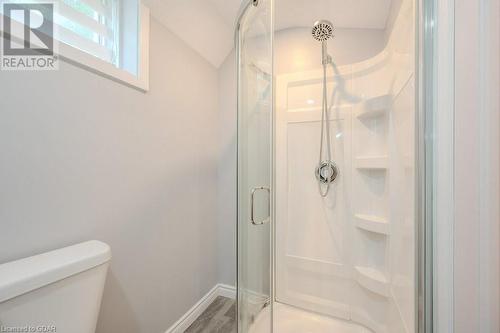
x=375 y=107
x=372 y=223
x=373 y=280
x=371 y=162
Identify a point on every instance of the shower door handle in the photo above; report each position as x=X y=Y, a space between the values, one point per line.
x=252 y=205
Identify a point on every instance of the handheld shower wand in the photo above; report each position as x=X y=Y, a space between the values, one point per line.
x=322 y=31
x=327 y=171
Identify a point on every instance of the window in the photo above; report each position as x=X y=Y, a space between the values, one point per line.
x=91 y=26
x=107 y=36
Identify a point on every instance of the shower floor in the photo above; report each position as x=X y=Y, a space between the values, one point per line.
x=288 y=319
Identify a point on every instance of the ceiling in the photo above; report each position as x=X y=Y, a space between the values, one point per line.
x=207 y=25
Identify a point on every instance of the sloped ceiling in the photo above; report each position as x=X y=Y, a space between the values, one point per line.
x=207 y=25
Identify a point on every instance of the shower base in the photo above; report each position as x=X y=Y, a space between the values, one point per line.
x=288 y=319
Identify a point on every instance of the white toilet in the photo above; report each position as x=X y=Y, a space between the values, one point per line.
x=58 y=291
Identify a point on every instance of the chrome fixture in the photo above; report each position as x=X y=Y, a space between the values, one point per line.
x=252 y=205
x=322 y=31
x=327 y=171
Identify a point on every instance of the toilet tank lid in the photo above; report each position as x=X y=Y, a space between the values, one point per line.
x=24 y=275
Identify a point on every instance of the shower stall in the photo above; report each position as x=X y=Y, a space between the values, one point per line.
x=329 y=234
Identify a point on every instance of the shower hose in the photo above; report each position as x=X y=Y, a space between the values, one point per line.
x=325 y=136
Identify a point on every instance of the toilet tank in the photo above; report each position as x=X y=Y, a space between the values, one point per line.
x=58 y=291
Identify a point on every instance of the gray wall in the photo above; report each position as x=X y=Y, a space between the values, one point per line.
x=226 y=177
x=83 y=157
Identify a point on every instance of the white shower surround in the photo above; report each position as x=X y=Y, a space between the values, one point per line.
x=364 y=273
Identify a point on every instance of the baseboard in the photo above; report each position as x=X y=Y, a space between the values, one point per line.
x=226 y=290
x=190 y=316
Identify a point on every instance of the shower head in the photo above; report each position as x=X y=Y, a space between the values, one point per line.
x=322 y=30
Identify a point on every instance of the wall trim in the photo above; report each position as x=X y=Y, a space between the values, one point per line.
x=192 y=314
x=226 y=290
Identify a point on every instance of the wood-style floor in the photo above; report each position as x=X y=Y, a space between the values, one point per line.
x=219 y=317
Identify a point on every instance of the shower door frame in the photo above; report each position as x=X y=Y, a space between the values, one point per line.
x=245 y=6
x=426 y=36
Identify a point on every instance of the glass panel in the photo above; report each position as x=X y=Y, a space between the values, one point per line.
x=344 y=167
x=254 y=168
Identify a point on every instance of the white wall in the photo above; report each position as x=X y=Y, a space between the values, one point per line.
x=391 y=19
x=295 y=49
x=466 y=169
x=476 y=167
x=83 y=157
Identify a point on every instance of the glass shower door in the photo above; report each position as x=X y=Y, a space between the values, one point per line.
x=255 y=105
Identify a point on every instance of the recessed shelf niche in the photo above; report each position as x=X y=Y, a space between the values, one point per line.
x=372 y=223
x=371 y=162
x=373 y=280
